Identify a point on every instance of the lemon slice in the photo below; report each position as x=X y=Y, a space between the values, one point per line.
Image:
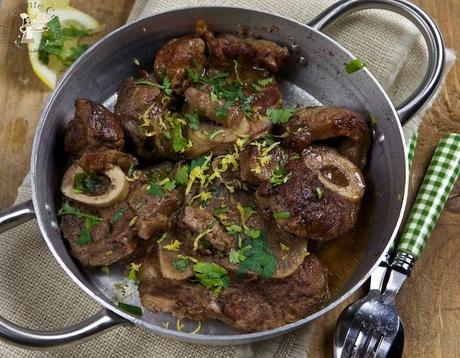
x=48 y=73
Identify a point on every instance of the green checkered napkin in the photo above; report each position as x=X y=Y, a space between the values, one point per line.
x=411 y=149
x=441 y=176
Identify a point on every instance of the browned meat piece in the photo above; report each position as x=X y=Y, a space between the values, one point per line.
x=263 y=305
x=224 y=126
x=111 y=240
x=176 y=57
x=93 y=127
x=153 y=211
x=105 y=159
x=269 y=96
x=318 y=123
x=182 y=298
x=226 y=47
x=199 y=102
x=199 y=220
x=321 y=199
x=257 y=163
x=249 y=306
x=215 y=138
x=139 y=107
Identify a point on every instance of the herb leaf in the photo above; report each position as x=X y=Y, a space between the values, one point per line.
x=133 y=270
x=135 y=310
x=53 y=43
x=170 y=185
x=259 y=258
x=262 y=83
x=220 y=210
x=281 y=215
x=180 y=143
x=181 y=175
x=155 y=189
x=212 y=276
x=180 y=264
x=193 y=120
x=68 y=209
x=85 y=237
x=72 y=31
x=117 y=215
x=85 y=182
x=278 y=177
x=281 y=115
x=354 y=65
x=165 y=86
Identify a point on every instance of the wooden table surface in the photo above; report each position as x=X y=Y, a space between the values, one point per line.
x=429 y=302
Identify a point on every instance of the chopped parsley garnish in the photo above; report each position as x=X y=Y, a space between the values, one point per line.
x=253 y=233
x=135 y=310
x=85 y=237
x=90 y=221
x=259 y=258
x=192 y=74
x=319 y=193
x=233 y=257
x=85 y=233
x=181 y=175
x=85 y=182
x=234 y=229
x=55 y=42
x=179 y=142
x=220 y=210
x=67 y=209
x=193 y=120
x=159 y=188
x=231 y=93
x=117 y=215
x=212 y=276
x=222 y=111
x=281 y=115
x=133 y=270
x=281 y=215
x=165 y=85
x=180 y=264
x=169 y=185
x=354 y=65
x=155 y=189
x=162 y=238
x=262 y=83
x=278 y=177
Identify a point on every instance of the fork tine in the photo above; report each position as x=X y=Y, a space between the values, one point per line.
x=353 y=342
x=372 y=344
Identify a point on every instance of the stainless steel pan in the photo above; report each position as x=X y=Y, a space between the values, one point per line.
x=315 y=74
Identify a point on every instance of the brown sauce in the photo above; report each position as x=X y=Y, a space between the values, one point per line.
x=341 y=256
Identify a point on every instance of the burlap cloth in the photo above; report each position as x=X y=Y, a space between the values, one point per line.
x=37 y=293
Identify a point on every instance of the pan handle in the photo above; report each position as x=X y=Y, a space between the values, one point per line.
x=29 y=338
x=429 y=30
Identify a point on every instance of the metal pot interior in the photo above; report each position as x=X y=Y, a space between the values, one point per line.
x=314 y=75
